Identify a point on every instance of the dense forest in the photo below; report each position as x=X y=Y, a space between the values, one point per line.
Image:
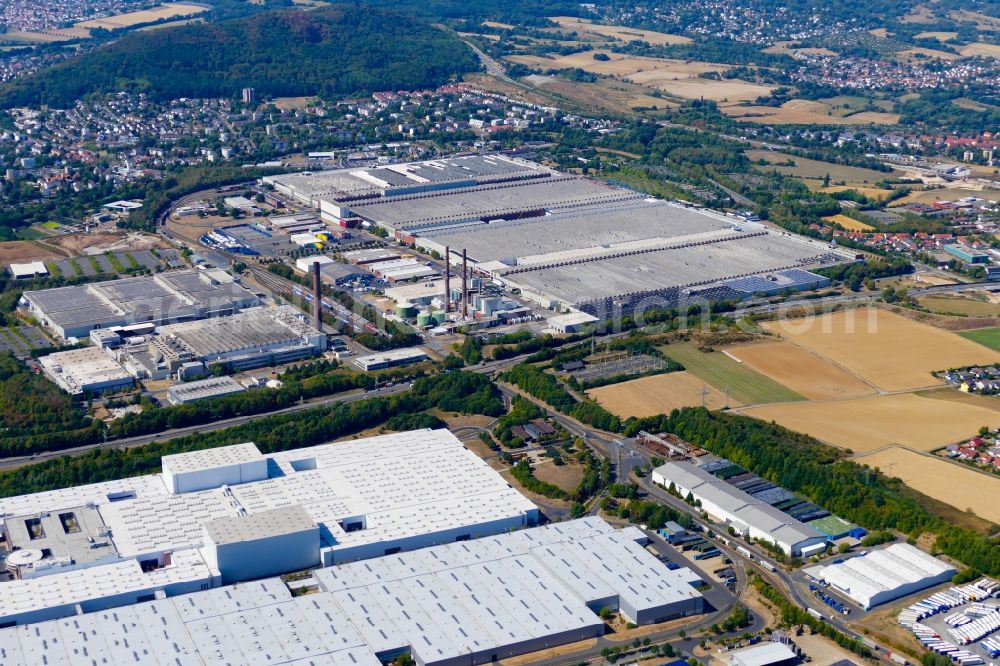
x=457 y=391
x=331 y=51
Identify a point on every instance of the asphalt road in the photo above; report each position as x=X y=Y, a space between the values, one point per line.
x=142 y=440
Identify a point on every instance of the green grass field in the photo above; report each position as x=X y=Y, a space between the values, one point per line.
x=745 y=386
x=964 y=306
x=988 y=337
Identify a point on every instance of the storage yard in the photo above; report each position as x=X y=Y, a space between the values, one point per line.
x=890 y=351
x=955 y=484
x=960 y=622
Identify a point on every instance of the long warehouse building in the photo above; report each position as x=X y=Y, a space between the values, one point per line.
x=882 y=575
x=744 y=513
x=157 y=299
x=233 y=513
x=460 y=604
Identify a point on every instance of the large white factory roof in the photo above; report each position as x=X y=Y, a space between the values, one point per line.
x=206 y=459
x=466 y=602
x=404 y=485
x=885 y=574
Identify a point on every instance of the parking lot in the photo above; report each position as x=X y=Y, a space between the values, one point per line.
x=20 y=340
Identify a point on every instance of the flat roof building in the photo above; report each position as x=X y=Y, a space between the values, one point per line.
x=172 y=531
x=85 y=370
x=28 y=270
x=885 y=574
x=203 y=389
x=253 y=338
x=166 y=297
x=334 y=192
x=741 y=511
x=764 y=654
x=464 y=603
x=391 y=359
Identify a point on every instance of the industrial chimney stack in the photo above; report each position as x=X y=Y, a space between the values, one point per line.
x=317 y=298
x=465 y=286
x=447 y=279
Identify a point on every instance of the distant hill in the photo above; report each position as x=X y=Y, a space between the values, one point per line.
x=330 y=51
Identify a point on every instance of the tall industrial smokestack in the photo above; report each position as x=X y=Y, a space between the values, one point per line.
x=447 y=279
x=317 y=298
x=465 y=286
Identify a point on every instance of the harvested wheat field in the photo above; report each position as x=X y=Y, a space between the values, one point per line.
x=980 y=49
x=618 y=32
x=17 y=252
x=938 y=35
x=638 y=69
x=887 y=350
x=802 y=371
x=870 y=423
x=158 y=13
x=792 y=115
x=951 y=483
x=659 y=394
x=732 y=90
x=848 y=223
x=877 y=193
x=918 y=53
x=671 y=70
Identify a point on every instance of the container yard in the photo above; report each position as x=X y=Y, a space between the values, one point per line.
x=961 y=622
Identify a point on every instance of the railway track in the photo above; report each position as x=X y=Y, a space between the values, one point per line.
x=285 y=286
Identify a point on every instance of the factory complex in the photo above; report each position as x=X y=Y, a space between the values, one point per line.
x=73 y=312
x=883 y=575
x=252 y=338
x=181 y=566
x=747 y=514
x=469 y=602
x=565 y=241
x=231 y=514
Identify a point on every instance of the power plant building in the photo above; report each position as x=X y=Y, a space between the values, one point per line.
x=457 y=604
x=158 y=299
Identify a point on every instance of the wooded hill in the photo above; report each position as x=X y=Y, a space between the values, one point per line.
x=331 y=51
